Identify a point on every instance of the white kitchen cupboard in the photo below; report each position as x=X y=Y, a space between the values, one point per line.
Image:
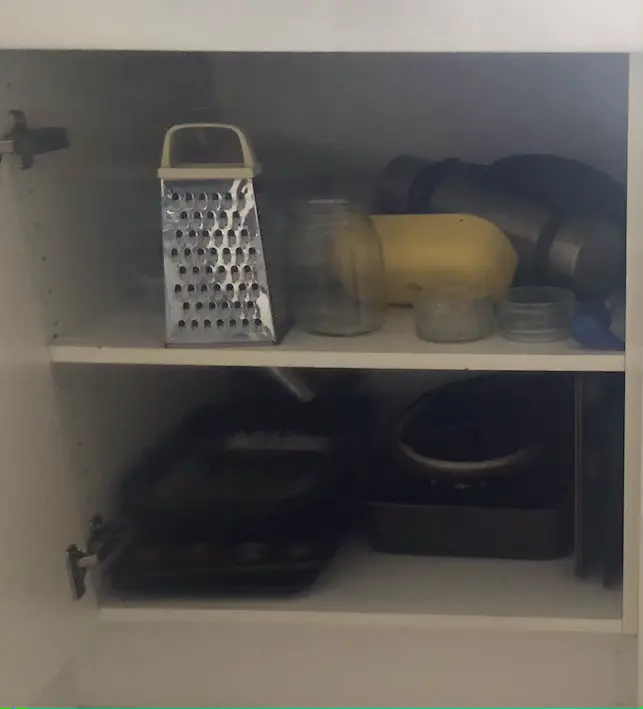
x=328 y=25
x=390 y=631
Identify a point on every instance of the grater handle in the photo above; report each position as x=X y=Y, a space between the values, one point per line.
x=248 y=168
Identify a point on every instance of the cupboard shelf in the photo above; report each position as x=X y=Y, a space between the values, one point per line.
x=132 y=336
x=364 y=587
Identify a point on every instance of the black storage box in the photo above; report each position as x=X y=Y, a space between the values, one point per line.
x=438 y=530
x=424 y=497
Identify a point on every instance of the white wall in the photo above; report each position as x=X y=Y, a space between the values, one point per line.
x=358 y=111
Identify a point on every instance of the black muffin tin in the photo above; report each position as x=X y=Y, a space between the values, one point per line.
x=261 y=565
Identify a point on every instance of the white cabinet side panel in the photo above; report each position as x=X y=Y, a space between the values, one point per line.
x=40 y=624
x=246 y=663
x=634 y=350
x=326 y=25
x=60 y=692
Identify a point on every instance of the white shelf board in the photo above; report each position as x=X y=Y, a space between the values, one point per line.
x=363 y=587
x=133 y=336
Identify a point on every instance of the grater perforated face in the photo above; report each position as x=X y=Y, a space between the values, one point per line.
x=216 y=287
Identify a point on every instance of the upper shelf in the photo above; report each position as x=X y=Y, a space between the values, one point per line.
x=326 y=25
x=132 y=336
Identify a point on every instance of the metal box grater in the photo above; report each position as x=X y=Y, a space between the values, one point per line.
x=216 y=283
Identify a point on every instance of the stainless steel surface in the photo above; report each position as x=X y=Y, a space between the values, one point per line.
x=397 y=182
x=216 y=285
x=586 y=254
x=7 y=147
x=521 y=221
x=589 y=253
x=293 y=382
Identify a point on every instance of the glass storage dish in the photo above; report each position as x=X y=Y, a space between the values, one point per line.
x=536 y=314
x=452 y=314
x=340 y=287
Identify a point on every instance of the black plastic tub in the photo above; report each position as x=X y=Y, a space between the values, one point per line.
x=481 y=468
x=437 y=530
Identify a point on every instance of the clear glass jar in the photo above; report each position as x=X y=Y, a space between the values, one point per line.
x=340 y=286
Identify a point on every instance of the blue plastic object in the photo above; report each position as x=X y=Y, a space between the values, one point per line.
x=591 y=328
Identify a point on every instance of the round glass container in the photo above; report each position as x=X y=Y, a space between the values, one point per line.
x=452 y=314
x=536 y=314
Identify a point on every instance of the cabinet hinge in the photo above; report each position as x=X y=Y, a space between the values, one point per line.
x=28 y=142
x=103 y=540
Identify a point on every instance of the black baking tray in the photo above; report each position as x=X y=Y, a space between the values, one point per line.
x=198 y=500
x=169 y=488
x=273 y=556
x=460 y=530
x=221 y=568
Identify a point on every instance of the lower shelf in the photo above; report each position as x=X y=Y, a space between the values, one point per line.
x=364 y=587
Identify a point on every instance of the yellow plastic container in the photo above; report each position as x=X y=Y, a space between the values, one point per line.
x=435 y=250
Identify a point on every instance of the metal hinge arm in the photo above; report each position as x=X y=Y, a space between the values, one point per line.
x=28 y=142
x=103 y=540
